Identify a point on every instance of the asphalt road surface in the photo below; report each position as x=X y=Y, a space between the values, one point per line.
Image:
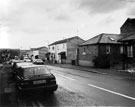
x=76 y=88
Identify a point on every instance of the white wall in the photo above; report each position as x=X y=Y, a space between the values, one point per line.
x=57 y=49
x=36 y=52
x=60 y=48
x=51 y=50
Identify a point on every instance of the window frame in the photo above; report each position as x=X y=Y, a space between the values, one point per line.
x=130 y=51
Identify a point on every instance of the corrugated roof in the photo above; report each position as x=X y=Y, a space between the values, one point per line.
x=63 y=41
x=104 y=39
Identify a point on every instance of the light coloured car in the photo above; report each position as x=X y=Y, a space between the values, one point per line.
x=38 y=61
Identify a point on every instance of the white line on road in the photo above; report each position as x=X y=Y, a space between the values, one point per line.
x=66 y=77
x=132 y=98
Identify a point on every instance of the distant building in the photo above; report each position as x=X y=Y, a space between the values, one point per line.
x=104 y=47
x=64 y=51
x=39 y=52
x=23 y=53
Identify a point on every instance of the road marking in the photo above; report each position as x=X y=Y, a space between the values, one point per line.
x=132 y=98
x=66 y=77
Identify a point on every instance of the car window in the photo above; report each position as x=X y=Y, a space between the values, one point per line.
x=28 y=72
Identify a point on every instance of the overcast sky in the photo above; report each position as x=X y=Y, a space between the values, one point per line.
x=34 y=23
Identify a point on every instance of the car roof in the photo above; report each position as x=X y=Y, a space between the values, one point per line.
x=32 y=65
x=18 y=61
x=23 y=64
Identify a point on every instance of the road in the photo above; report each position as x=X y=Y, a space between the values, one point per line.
x=76 y=88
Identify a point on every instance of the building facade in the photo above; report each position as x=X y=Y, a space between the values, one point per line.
x=102 y=50
x=128 y=40
x=39 y=52
x=64 y=51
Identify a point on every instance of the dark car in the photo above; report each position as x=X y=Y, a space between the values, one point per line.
x=17 y=64
x=35 y=77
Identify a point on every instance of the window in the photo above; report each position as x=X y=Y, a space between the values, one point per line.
x=63 y=46
x=121 y=50
x=53 y=48
x=57 y=47
x=108 y=49
x=130 y=51
x=84 y=50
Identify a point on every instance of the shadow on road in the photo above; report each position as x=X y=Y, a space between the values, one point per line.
x=40 y=98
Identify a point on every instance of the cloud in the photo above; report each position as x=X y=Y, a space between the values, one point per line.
x=131 y=10
x=101 y=6
x=63 y=17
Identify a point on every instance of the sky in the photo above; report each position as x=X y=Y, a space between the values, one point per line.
x=26 y=24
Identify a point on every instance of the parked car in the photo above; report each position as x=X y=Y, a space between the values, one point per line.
x=13 y=61
x=17 y=65
x=38 y=61
x=27 y=60
x=33 y=77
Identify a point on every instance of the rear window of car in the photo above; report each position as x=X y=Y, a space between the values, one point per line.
x=32 y=71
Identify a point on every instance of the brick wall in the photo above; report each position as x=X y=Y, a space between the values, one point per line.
x=115 y=56
x=42 y=53
x=86 y=54
x=128 y=27
x=72 y=46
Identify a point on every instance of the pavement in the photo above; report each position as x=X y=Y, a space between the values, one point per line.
x=109 y=71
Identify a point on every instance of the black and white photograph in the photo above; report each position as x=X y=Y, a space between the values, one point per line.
x=67 y=53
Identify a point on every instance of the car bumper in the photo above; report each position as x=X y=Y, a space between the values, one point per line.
x=47 y=88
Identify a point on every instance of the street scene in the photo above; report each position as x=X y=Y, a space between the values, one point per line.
x=67 y=53
x=76 y=88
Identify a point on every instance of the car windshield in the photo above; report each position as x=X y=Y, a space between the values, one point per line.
x=33 y=71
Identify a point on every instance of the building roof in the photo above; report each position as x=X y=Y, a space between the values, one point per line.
x=103 y=39
x=38 y=48
x=63 y=41
x=128 y=38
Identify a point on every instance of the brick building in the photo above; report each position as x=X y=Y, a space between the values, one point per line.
x=128 y=39
x=100 y=46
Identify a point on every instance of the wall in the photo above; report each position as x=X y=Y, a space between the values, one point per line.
x=134 y=53
x=42 y=52
x=60 y=48
x=56 y=49
x=128 y=27
x=115 y=56
x=72 y=46
x=35 y=52
x=52 y=49
x=86 y=54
